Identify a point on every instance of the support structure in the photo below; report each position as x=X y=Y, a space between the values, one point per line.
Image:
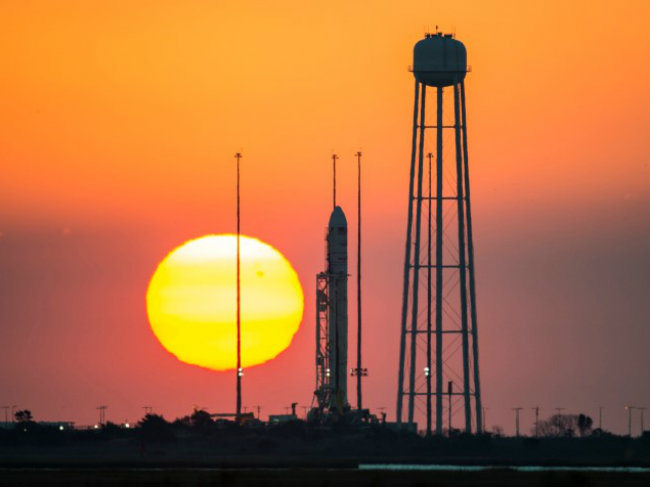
x=323 y=389
x=439 y=334
x=240 y=371
x=359 y=371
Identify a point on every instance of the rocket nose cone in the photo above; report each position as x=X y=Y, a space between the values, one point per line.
x=337 y=218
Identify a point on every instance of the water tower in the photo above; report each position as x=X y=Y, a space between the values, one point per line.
x=438 y=360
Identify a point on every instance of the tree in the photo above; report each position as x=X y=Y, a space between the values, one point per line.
x=154 y=427
x=584 y=425
x=565 y=425
x=201 y=419
x=24 y=416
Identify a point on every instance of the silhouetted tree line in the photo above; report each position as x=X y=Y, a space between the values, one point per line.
x=564 y=425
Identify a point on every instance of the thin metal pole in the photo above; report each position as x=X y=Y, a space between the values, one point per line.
x=439 y=262
x=629 y=420
x=334 y=158
x=359 y=369
x=428 y=371
x=470 y=257
x=600 y=418
x=239 y=368
x=536 y=409
x=642 y=410
x=516 y=410
x=416 y=258
x=407 y=263
x=461 y=263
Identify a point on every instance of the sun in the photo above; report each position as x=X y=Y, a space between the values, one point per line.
x=191 y=302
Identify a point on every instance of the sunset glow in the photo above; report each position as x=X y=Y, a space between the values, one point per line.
x=191 y=302
x=118 y=128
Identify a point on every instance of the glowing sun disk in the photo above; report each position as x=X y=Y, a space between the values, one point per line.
x=191 y=302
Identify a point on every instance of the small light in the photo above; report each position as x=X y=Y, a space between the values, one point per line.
x=240 y=372
x=426 y=371
x=127 y=425
x=96 y=426
x=61 y=428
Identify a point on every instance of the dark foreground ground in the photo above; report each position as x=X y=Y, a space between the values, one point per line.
x=295 y=455
x=309 y=477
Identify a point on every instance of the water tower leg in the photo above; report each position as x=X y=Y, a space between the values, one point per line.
x=439 y=263
x=407 y=262
x=416 y=259
x=470 y=256
x=461 y=262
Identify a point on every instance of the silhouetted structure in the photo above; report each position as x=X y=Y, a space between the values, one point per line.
x=239 y=371
x=332 y=319
x=441 y=316
x=359 y=371
x=332 y=315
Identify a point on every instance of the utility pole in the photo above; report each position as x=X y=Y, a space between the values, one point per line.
x=240 y=372
x=629 y=420
x=536 y=409
x=13 y=413
x=483 y=413
x=259 y=409
x=642 y=409
x=600 y=418
x=102 y=414
x=516 y=410
x=558 y=418
x=6 y=408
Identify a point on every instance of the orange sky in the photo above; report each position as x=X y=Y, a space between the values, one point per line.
x=119 y=120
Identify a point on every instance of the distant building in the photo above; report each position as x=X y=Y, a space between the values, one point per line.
x=282 y=418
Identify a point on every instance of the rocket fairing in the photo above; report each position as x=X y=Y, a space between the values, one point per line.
x=337 y=271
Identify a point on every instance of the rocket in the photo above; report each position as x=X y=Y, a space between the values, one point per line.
x=337 y=271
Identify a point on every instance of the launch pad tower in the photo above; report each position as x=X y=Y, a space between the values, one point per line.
x=438 y=354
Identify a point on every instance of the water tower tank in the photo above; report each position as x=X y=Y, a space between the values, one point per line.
x=439 y=60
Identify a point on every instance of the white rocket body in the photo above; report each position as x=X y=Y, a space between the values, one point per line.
x=337 y=270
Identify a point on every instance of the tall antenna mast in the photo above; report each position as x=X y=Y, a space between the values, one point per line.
x=334 y=158
x=360 y=371
x=239 y=368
